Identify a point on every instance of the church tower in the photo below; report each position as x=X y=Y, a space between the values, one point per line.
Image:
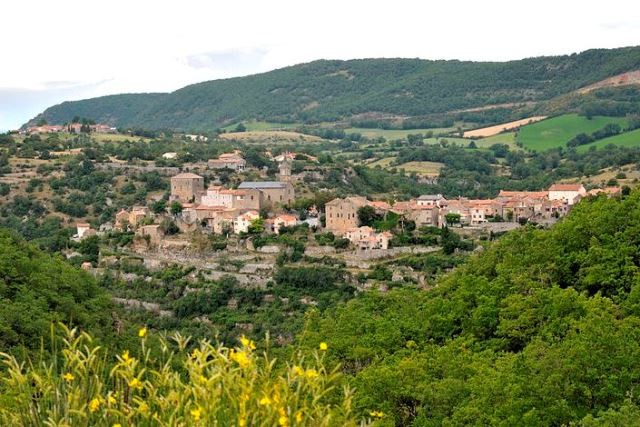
x=285 y=169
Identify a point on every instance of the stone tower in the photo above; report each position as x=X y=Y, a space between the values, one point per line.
x=285 y=169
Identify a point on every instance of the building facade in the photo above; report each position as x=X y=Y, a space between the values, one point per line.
x=187 y=187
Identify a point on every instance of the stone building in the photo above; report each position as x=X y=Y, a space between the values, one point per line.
x=342 y=214
x=187 y=187
x=273 y=192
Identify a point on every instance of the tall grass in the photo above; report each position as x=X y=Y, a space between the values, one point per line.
x=82 y=384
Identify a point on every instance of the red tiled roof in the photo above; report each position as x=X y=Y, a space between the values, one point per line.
x=565 y=187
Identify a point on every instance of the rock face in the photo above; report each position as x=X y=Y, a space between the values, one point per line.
x=149 y=306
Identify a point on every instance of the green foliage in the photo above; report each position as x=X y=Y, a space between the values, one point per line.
x=175 y=208
x=256 y=226
x=557 y=131
x=37 y=289
x=542 y=328
x=318 y=277
x=367 y=215
x=408 y=87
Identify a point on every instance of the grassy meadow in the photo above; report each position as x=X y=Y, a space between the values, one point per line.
x=627 y=139
x=557 y=131
x=395 y=134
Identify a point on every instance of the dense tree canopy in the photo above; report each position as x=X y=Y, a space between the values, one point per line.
x=37 y=290
x=330 y=90
x=541 y=329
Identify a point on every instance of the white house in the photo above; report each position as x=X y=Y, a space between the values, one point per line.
x=571 y=193
x=242 y=222
x=284 y=220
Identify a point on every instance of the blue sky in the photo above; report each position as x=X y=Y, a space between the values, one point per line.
x=71 y=49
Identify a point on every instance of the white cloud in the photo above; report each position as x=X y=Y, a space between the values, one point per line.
x=142 y=45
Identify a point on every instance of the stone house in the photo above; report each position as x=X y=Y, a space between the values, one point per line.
x=234 y=199
x=83 y=229
x=233 y=161
x=341 y=215
x=283 y=220
x=187 y=187
x=431 y=200
x=154 y=233
x=138 y=214
x=273 y=192
x=365 y=238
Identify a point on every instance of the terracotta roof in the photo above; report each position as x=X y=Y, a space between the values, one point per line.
x=566 y=187
x=535 y=194
x=286 y=217
x=380 y=205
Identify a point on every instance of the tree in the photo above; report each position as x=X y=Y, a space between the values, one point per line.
x=452 y=218
x=256 y=226
x=367 y=215
x=159 y=206
x=176 y=208
x=241 y=127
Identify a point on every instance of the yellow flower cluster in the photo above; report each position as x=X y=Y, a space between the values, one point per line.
x=240 y=357
x=205 y=385
x=377 y=414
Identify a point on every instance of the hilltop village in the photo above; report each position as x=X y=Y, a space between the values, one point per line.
x=265 y=207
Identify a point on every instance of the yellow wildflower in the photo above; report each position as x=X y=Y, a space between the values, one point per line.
x=323 y=346
x=135 y=383
x=125 y=357
x=299 y=416
x=143 y=408
x=94 y=405
x=283 y=421
x=246 y=342
x=297 y=370
x=241 y=358
x=242 y=422
x=117 y=425
x=68 y=377
x=196 y=414
x=111 y=399
x=312 y=373
x=265 y=401
x=377 y=414
x=142 y=332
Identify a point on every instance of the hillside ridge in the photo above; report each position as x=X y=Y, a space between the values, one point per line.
x=331 y=90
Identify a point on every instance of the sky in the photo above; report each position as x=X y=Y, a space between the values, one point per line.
x=54 y=51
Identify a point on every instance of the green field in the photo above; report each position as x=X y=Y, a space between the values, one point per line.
x=557 y=131
x=423 y=168
x=263 y=126
x=508 y=138
x=627 y=139
x=383 y=163
x=452 y=140
x=395 y=134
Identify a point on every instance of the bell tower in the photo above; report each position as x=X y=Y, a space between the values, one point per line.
x=285 y=169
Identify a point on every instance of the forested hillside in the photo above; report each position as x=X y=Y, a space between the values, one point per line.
x=37 y=290
x=541 y=329
x=332 y=90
